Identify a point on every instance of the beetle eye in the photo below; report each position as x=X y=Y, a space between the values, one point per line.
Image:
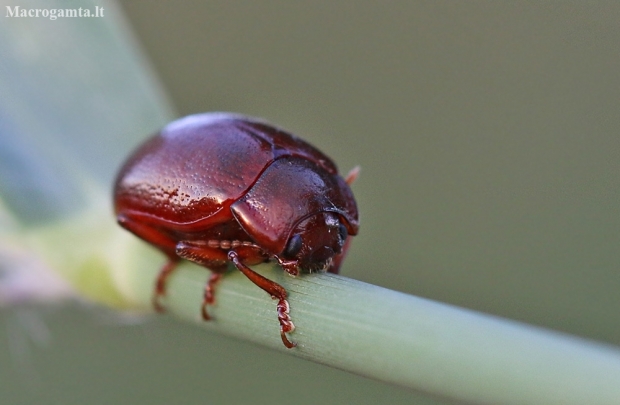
x=293 y=247
x=342 y=233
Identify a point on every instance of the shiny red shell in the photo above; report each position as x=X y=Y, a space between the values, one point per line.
x=220 y=187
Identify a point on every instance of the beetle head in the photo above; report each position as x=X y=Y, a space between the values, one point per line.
x=315 y=241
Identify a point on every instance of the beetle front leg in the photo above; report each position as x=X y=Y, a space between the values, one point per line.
x=275 y=290
x=334 y=267
x=290 y=266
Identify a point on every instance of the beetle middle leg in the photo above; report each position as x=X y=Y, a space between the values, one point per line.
x=275 y=290
x=160 y=284
x=212 y=258
x=209 y=296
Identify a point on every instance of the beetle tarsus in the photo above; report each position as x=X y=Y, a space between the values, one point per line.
x=286 y=325
x=209 y=296
x=160 y=285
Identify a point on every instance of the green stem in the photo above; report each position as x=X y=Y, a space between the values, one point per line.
x=365 y=329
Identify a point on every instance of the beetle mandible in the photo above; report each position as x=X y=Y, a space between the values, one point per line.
x=216 y=188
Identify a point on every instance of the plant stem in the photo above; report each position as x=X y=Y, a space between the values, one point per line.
x=406 y=340
x=365 y=329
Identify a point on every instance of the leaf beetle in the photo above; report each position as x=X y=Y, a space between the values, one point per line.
x=216 y=188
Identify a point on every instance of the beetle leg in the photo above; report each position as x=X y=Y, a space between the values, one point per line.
x=334 y=267
x=146 y=232
x=209 y=297
x=213 y=258
x=290 y=266
x=353 y=174
x=160 y=284
x=275 y=290
x=151 y=235
x=200 y=253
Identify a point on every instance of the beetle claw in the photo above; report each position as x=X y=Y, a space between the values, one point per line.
x=157 y=306
x=204 y=312
x=287 y=343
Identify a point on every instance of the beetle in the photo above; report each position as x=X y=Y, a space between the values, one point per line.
x=216 y=188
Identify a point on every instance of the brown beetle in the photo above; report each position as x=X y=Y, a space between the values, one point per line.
x=219 y=187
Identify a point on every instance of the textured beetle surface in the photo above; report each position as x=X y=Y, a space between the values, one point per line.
x=217 y=188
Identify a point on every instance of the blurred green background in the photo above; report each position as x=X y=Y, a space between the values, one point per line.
x=487 y=133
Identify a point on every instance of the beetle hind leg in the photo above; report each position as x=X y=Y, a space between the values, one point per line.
x=276 y=291
x=166 y=244
x=353 y=175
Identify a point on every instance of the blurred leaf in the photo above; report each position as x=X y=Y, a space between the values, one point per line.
x=75 y=95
